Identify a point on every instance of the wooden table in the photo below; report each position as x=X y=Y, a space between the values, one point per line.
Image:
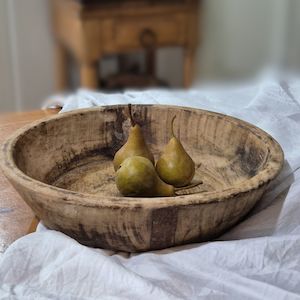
x=16 y=218
x=90 y=30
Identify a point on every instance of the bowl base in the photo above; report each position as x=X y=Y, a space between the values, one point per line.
x=96 y=175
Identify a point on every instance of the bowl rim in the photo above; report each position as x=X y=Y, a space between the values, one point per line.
x=274 y=163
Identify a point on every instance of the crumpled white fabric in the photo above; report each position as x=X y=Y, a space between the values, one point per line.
x=257 y=259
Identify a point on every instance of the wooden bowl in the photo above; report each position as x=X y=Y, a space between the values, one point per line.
x=62 y=167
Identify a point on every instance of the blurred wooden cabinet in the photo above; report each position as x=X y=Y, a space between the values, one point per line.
x=90 y=29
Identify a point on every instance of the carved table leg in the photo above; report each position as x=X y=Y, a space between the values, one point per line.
x=189 y=67
x=89 y=75
x=61 y=67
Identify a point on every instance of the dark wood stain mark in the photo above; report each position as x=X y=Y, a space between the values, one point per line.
x=164 y=225
x=116 y=128
x=109 y=240
x=252 y=159
x=43 y=128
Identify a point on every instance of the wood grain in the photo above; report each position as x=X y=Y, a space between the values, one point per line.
x=15 y=215
x=62 y=167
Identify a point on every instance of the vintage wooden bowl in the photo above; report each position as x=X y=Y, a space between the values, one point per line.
x=62 y=167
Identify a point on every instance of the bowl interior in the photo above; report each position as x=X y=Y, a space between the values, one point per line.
x=75 y=150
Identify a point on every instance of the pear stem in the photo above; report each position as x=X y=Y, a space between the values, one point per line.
x=172 y=126
x=130 y=115
x=188 y=186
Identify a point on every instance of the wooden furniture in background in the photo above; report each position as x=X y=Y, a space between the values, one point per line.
x=90 y=29
x=16 y=218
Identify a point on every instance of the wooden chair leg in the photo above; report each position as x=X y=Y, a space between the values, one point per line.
x=89 y=75
x=189 y=67
x=151 y=61
x=61 y=58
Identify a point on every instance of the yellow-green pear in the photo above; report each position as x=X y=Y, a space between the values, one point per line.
x=135 y=145
x=175 y=166
x=137 y=177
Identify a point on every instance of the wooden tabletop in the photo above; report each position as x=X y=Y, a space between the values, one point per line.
x=16 y=218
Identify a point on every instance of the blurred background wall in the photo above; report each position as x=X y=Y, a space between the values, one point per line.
x=238 y=39
x=242 y=37
x=26 y=54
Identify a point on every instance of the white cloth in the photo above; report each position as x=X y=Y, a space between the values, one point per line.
x=257 y=259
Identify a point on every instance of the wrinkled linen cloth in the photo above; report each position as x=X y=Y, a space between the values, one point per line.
x=257 y=259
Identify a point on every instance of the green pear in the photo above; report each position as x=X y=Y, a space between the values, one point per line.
x=135 y=145
x=175 y=166
x=137 y=177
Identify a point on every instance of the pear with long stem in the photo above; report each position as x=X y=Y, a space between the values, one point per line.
x=175 y=166
x=135 y=145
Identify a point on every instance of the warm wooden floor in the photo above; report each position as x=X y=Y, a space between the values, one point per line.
x=15 y=216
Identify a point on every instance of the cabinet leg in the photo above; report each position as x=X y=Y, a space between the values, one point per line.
x=189 y=67
x=89 y=75
x=61 y=60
